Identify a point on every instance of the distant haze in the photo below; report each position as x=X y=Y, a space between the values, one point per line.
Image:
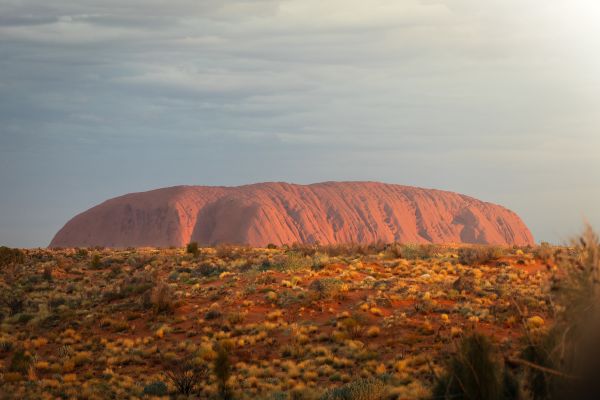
x=496 y=99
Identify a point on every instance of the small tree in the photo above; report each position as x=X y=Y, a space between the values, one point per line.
x=185 y=374
x=222 y=371
x=192 y=248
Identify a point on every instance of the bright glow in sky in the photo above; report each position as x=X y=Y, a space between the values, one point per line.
x=497 y=99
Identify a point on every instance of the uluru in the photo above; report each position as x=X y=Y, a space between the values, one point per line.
x=283 y=213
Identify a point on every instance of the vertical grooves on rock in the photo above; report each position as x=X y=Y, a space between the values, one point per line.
x=330 y=212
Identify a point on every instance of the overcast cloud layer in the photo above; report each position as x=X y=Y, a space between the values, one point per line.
x=496 y=99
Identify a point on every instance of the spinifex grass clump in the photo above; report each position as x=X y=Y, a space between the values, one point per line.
x=327 y=288
x=476 y=372
x=417 y=251
x=162 y=298
x=362 y=389
x=564 y=362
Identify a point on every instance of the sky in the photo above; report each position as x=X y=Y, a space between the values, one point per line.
x=496 y=99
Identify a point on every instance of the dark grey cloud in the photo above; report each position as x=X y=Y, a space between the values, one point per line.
x=496 y=100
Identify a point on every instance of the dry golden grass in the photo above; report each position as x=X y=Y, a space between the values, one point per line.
x=296 y=321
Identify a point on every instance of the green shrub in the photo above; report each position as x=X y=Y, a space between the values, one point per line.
x=207 y=269
x=55 y=302
x=157 y=388
x=288 y=297
x=222 y=371
x=14 y=300
x=319 y=261
x=20 y=362
x=415 y=251
x=326 y=288
x=304 y=249
x=11 y=256
x=81 y=253
x=212 y=314
x=96 y=263
x=192 y=248
x=24 y=318
x=295 y=261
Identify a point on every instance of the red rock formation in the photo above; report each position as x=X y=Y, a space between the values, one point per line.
x=329 y=212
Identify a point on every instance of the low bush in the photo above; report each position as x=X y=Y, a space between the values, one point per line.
x=207 y=269
x=305 y=250
x=96 y=262
x=544 y=252
x=192 y=248
x=157 y=388
x=11 y=256
x=326 y=288
x=225 y=251
x=295 y=261
x=212 y=314
x=20 y=362
x=362 y=389
x=417 y=251
x=346 y=250
x=14 y=300
x=162 y=298
x=479 y=254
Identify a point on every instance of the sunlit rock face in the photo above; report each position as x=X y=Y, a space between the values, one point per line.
x=280 y=213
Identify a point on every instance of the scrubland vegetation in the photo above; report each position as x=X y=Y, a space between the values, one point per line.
x=301 y=322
